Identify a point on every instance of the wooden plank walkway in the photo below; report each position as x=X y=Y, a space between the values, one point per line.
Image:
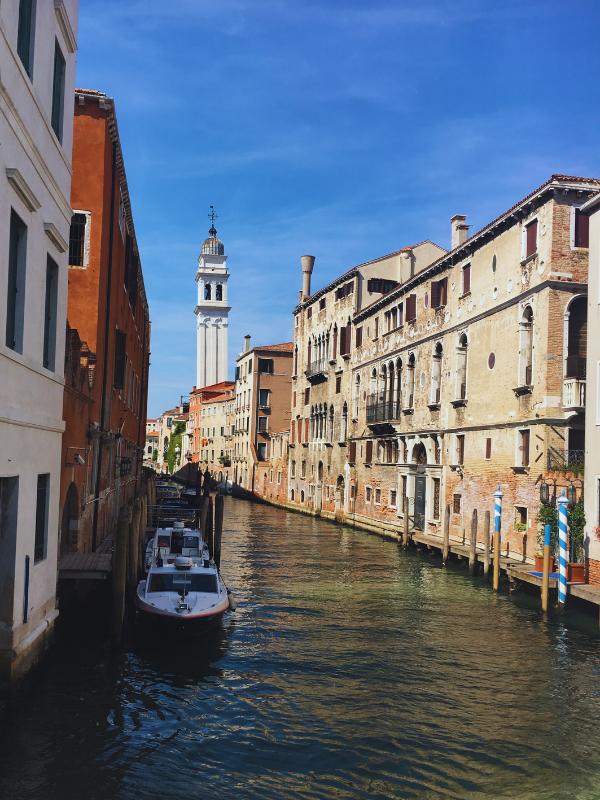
x=85 y=566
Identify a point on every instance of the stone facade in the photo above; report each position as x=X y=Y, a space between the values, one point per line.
x=466 y=374
x=273 y=474
x=37 y=58
x=262 y=407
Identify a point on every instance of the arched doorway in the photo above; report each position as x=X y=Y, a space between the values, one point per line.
x=420 y=460
x=69 y=522
x=339 y=493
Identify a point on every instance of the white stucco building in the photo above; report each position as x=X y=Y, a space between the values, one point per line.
x=212 y=311
x=37 y=70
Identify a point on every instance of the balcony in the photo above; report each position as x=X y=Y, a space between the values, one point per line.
x=378 y=413
x=566 y=460
x=316 y=372
x=574 y=394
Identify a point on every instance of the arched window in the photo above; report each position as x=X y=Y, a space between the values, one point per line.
x=335 y=338
x=436 y=375
x=373 y=386
x=356 y=396
x=526 y=348
x=410 y=382
x=382 y=384
x=219 y=292
x=398 y=395
x=461 y=367
x=308 y=354
x=577 y=338
x=207 y=291
x=344 y=428
x=391 y=389
x=331 y=423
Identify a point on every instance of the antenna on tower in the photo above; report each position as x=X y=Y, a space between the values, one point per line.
x=212 y=216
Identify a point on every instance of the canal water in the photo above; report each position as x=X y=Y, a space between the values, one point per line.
x=351 y=669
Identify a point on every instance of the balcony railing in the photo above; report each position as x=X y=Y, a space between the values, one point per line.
x=574 y=393
x=566 y=460
x=317 y=370
x=383 y=412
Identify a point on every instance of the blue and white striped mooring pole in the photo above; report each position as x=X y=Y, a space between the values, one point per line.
x=497 y=528
x=563 y=548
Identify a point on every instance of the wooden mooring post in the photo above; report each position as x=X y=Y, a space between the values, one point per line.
x=546 y=568
x=405 y=532
x=119 y=571
x=446 y=543
x=473 y=543
x=218 y=528
x=134 y=545
x=486 y=543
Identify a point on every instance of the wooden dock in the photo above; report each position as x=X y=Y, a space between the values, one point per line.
x=85 y=566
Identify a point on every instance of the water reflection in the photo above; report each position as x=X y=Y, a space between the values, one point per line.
x=352 y=669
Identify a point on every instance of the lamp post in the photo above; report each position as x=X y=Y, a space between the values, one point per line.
x=497 y=528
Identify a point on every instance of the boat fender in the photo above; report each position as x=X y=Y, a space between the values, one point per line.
x=231 y=598
x=206 y=563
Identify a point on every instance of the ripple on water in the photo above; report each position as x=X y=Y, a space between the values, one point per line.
x=352 y=669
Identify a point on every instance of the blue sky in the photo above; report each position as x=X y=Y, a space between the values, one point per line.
x=342 y=129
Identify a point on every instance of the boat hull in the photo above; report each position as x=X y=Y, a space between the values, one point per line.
x=202 y=619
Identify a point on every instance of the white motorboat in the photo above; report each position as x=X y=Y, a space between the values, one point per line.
x=183 y=584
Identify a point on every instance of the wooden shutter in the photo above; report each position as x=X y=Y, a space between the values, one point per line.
x=352 y=453
x=488 y=448
x=411 y=308
x=306 y=423
x=582 y=229
x=524 y=448
x=369 y=452
x=531 y=238
x=435 y=294
x=466 y=288
x=359 y=337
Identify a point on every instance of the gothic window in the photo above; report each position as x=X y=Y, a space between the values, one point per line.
x=461 y=368
x=410 y=382
x=207 y=292
x=526 y=348
x=219 y=292
x=436 y=374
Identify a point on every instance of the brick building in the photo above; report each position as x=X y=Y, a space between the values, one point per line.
x=272 y=474
x=212 y=408
x=109 y=328
x=469 y=372
x=262 y=406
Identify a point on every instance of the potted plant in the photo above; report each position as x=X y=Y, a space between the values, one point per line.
x=547 y=515
x=576 y=520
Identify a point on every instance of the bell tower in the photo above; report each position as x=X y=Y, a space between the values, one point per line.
x=212 y=310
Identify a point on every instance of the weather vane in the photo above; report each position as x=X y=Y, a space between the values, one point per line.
x=212 y=216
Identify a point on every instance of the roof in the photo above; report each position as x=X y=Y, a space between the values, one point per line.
x=354 y=270
x=152 y=435
x=214 y=387
x=464 y=249
x=218 y=398
x=283 y=347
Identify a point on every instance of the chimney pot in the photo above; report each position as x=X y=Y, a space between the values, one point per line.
x=247 y=343
x=460 y=230
x=308 y=263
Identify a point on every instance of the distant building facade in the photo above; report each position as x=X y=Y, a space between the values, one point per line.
x=106 y=380
x=262 y=403
x=37 y=54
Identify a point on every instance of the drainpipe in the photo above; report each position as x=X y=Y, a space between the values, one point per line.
x=106 y=338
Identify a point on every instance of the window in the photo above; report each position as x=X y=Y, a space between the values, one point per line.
x=582 y=229
x=466 y=279
x=262 y=424
x=436 y=375
x=50 y=309
x=263 y=398
x=381 y=285
x=303 y=469
x=77 y=240
x=15 y=300
x=524 y=439
x=352 y=453
x=309 y=312
x=26 y=34
x=207 y=291
x=119 y=368
x=41 y=517
x=439 y=293
x=293 y=469
x=261 y=451
x=377 y=497
x=393 y=496
x=219 y=292
x=265 y=366
x=307 y=396
x=344 y=291
x=456 y=504
x=488 y=449
x=410 y=382
x=359 y=336
x=411 y=308
x=526 y=348
x=322 y=304
x=369 y=452
x=460 y=449
x=461 y=368
x=521 y=517
x=531 y=238
x=436 y=498
x=368 y=494
x=345 y=333
x=58 y=92
x=338 y=384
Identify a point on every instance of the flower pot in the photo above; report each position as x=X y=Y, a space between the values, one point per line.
x=539 y=563
x=575 y=572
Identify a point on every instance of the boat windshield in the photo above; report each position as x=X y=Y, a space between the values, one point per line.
x=190 y=541
x=164 y=540
x=183 y=582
